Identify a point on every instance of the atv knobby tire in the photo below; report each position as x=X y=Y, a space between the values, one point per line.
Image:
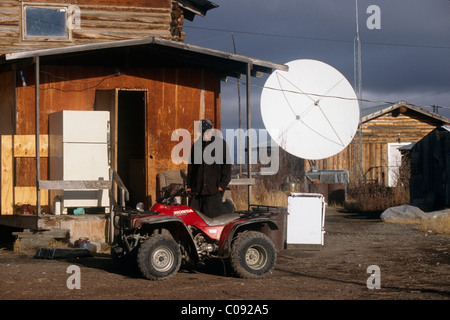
x=159 y=257
x=253 y=255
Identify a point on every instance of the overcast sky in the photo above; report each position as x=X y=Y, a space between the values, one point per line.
x=408 y=58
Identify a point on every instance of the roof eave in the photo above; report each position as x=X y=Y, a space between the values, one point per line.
x=259 y=65
x=196 y=8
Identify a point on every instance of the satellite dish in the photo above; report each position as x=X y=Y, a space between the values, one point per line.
x=311 y=111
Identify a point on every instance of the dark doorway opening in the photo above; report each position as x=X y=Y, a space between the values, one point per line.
x=131 y=143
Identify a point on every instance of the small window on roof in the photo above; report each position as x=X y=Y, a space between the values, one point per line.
x=46 y=23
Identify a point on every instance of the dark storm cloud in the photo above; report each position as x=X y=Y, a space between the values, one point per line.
x=406 y=59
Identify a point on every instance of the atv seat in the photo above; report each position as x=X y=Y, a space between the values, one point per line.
x=220 y=220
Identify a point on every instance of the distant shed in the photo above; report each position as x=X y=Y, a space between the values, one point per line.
x=430 y=171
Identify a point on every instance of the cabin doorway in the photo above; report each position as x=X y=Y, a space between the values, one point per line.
x=394 y=162
x=128 y=132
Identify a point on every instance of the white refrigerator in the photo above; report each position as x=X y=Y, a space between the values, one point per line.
x=306 y=220
x=78 y=150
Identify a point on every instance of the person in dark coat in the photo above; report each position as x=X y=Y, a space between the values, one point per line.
x=209 y=172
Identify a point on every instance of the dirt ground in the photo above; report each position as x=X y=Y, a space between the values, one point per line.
x=413 y=265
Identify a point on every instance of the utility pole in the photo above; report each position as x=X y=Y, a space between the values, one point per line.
x=358 y=170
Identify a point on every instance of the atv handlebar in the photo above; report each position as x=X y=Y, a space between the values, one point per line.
x=172 y=191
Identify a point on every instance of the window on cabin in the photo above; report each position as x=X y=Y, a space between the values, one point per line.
x=46 y=23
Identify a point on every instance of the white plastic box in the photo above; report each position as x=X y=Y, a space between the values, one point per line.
x=306 y=220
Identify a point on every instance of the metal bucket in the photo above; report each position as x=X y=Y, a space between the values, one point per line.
x=84 y=243
x=290 y=187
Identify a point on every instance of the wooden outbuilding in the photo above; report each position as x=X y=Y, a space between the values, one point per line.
x=430 y=170
x=151 y=83
x=374 y=155
x=150 y=86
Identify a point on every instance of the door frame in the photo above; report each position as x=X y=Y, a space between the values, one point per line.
x=108 y=100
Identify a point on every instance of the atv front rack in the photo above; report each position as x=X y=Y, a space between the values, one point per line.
x=255 y=211
x=123 y=218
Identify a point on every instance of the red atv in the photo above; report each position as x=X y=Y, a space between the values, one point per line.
x=171 y=234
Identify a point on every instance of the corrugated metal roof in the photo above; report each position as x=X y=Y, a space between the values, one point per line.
x=407 y=147
x=199 y=7
x=147 y=52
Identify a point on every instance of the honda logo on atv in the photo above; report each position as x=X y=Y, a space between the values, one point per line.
x=182 y=212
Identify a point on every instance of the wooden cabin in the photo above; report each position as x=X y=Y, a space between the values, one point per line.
x=43 y=24
x=384 y=130
x=151 y=86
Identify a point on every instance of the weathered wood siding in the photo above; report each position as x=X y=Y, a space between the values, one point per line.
x=410 y=127
x=100 y=20
x=175 y=99
x=7 y=102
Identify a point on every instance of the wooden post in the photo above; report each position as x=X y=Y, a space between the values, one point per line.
x=249 y=148
x=38 y=154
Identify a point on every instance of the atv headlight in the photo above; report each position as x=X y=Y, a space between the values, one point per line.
x=140 y=206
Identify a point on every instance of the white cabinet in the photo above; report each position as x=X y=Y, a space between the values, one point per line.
x=78 y=150
x=306 y=218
